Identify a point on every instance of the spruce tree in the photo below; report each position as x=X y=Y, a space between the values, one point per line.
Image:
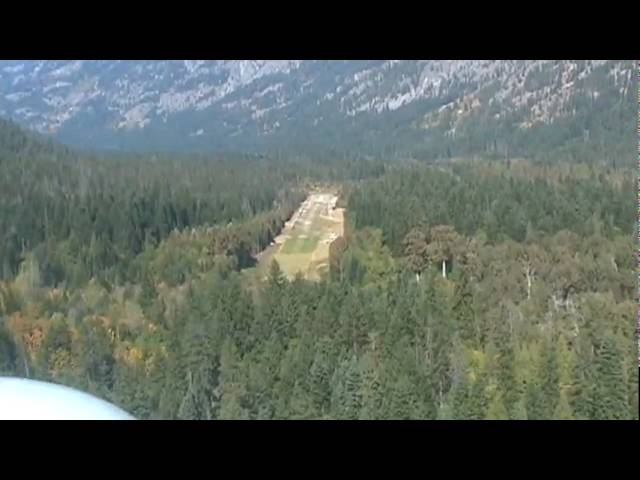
x=550 y=380
x=612 y=393
x=463 y=312
x=403 y=400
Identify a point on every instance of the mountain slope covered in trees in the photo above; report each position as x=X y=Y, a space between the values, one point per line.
x=466 y=290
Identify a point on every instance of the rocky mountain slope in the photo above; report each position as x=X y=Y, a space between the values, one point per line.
x=429 y=106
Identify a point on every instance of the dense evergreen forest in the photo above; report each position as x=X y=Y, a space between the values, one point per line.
x=461 y=290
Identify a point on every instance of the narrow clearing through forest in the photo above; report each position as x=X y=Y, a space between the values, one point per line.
x=303 y=245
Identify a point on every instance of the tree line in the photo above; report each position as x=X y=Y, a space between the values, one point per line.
x=460 y=291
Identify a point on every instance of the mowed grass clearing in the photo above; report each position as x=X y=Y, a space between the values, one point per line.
x=299 y=245
x=304 y=247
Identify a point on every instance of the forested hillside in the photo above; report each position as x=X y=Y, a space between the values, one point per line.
x=461 y=290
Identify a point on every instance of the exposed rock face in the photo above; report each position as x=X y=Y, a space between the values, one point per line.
x=183 y=104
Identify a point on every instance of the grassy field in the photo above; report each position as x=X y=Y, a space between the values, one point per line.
x=303 y=246
x=299 y=245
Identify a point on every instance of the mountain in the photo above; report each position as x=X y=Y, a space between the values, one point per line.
x=429 y=108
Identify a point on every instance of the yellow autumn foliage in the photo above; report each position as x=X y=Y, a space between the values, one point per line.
x=61 y=361
x=134 y=356
x=477 y=363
